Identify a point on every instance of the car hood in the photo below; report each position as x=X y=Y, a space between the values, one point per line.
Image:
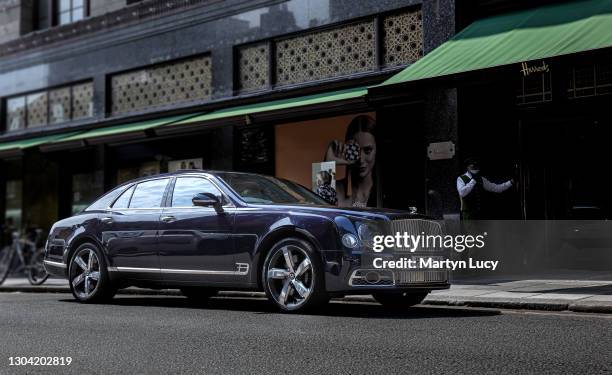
x=364 y=213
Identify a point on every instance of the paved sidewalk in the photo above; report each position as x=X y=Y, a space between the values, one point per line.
x=592 y=293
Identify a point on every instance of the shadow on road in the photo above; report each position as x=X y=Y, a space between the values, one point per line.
x=334 y=308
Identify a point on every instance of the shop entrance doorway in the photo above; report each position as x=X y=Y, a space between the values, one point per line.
x=564 y=169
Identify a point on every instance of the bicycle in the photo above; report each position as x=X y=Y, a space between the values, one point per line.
x=30 y=254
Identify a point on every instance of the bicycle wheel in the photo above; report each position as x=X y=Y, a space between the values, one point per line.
x=37 y=274
x=6 y=259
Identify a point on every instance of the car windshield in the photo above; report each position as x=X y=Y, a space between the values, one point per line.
x=269 y=190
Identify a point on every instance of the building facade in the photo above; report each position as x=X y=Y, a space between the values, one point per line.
x=112 y=63
x=96 y=92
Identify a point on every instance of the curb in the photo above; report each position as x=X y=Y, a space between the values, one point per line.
x=517 y=304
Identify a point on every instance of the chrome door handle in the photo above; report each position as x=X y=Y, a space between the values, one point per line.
x=107 y=220
x=167 y=219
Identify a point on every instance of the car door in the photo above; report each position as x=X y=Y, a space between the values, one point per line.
x=196 y=243
x=130 y=230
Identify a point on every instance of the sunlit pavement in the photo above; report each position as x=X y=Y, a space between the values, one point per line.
x=532 y=294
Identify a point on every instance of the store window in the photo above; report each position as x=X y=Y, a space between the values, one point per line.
x=16 y=113
x=335 y=157
x=68 y=11
x=86 y=187
x=82 y=100
x=332 y=52
x=50 y=106
x=37 y=109
x=170 y=83
x=340 y=51
x=59 y=105
x=13 y=202
x=587 y=80
x=535 y=84
x=402 y=38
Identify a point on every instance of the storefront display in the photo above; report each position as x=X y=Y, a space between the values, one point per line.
x=324 y=181
x=145 y=169
x=86 y=187
x=176 y=165
x=13 y=202
x=347 y=141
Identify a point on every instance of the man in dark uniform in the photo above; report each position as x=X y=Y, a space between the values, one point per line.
x=471 y=186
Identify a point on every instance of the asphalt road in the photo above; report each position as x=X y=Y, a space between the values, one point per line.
x=150 y=334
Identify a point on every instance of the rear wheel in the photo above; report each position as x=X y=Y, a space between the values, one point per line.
x=198 y=294
x=399 y=300
x=293 y=276
x=37 y=274
x=88 y=275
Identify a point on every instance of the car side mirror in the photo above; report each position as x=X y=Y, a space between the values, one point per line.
x=207 y=200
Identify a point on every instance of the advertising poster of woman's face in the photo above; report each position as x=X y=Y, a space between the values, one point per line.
x=347 y=142
x=358 y=153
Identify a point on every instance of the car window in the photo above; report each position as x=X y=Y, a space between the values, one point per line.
x=149 y=194
x=269 y=190
x=186 y=187
x=124 y=200
x=105 y=201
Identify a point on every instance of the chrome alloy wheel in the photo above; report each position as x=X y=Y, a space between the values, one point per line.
x=85 y=273
x=290 y=276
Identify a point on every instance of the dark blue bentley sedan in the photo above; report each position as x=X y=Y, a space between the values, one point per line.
x=203 y=231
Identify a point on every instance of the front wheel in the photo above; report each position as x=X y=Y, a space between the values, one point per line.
x=399 y=300
x=37 y=274
x=88 y=275
x=293 y=276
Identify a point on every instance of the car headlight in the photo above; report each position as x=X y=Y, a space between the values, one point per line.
x=350 y=240
x=367 y=232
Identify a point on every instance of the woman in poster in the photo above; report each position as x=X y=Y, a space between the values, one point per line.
x=358 y=154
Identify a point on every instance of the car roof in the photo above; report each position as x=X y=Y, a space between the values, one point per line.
x=183 y=172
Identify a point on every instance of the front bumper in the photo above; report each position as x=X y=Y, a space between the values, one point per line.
x=348 y=274
x=56 y=267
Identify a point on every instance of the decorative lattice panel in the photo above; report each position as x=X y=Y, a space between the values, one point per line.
x=59 y=105
x=82 y=100
x=336 y=52
x=253 y=66
x=37 y=109
x=15 y=113
x=402 y=38
x=164 y=84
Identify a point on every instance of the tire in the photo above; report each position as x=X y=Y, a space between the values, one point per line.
x=88 y=275
x=198 y=294
x=6 y=259
x=37 y=274
x=399 y=300
x=293 y=276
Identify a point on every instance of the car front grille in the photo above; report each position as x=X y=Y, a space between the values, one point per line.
x=430 y=230
x=416 y=277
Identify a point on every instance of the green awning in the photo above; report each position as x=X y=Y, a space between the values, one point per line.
x=533 y=34
x=21 y=144
x=116 y=130
x=276 y=105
